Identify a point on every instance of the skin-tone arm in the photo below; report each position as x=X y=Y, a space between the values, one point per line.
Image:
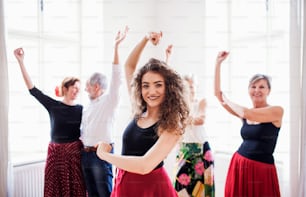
x=200 y=118
x=120 y=37
x=141 y=164
x=168 y=53
x=217 y=85
x=272 y=114
x=133 y=58
x=19 y=54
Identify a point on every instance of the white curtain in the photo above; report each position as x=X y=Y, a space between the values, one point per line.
x=297 y=131
x=302 y=179
x=3 y=107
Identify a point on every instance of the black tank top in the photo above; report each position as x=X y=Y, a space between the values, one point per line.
x=137 y=141
x=259 y=141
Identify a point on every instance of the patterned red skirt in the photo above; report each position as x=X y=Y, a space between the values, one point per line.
x=156 y=183
x=63 y=174
x=251 y=178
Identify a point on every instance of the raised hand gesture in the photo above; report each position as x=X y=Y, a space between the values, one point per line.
x=154 y=37
x=19 y=54
x=222 y=55
x=121 y=36
x=168 y=53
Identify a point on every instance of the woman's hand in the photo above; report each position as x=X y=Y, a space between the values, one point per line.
x=19 y=54
x=222 y=55
x=200 y=120
x=154 y=37
x=103 y=148
x=121 y=36
x=168 y=53
x=169 y=50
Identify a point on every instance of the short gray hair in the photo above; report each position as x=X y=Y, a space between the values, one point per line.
x=257 y=77
x=100 y=79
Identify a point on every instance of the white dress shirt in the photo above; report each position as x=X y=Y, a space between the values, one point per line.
x=99 y=116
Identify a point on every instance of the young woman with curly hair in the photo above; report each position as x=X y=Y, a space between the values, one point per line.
x=160 y=114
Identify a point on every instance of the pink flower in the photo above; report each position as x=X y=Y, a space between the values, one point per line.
x=184 y=179
x=199 y=168
x=208 y=156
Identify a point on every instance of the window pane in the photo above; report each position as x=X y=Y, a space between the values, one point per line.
x=60 y=60
x=61 y=18
x=22 y=15
x=49 y=56
x=28 y=120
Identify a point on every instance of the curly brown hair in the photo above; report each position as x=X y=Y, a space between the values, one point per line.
x=174 y=110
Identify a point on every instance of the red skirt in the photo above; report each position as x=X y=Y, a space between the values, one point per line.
x=63 y=174
x=249 y=178
x=156 y=183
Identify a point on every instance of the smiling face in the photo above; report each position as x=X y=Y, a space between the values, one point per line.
x=92 y=90
x=73 y=91
x=259 y=91
x=96 y=85
x=153 y=89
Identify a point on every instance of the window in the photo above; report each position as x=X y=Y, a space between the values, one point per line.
x=257 y=35
x=49 y=32
x=66 y=38
x=60 y=38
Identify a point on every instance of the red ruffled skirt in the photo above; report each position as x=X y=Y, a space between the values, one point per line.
x=156 y=183
x=249 y=178
x=63 y=174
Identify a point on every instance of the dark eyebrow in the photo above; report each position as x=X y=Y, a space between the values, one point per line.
x=144 y=82
x=158 y=81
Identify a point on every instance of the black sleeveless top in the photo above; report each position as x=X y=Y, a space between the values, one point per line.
x=137 y=141
x=259 y=141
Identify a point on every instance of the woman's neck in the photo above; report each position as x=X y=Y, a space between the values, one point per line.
x=260 y=105
x=151 y=114
x=68 y=101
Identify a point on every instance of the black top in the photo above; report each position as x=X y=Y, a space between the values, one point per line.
x=65 y=120
x=259 y=141
x=137 y=141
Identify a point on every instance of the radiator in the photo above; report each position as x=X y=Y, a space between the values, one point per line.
x=29 y=179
